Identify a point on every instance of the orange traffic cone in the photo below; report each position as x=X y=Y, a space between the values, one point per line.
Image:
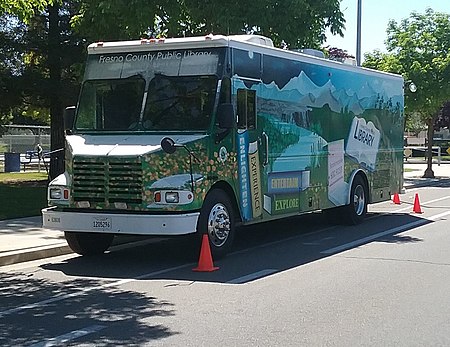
x=396 y=199
x=205 y=262
x=416 y=208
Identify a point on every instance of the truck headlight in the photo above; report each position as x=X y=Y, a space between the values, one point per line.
x=172 y=197
x=55 y=193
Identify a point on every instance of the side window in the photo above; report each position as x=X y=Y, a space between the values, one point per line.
x=246 y=109
x=247 y=63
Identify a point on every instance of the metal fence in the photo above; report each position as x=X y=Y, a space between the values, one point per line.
x=23 y=138
x=23 y=141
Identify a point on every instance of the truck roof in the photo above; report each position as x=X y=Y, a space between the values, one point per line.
x=177 y=43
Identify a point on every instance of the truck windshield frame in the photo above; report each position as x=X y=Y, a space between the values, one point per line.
x=167 y=90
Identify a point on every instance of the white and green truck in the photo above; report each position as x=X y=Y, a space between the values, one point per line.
x=198 y=135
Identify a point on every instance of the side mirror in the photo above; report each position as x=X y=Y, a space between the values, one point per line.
x=226 y=117
x=69 y=117
x=168 y=145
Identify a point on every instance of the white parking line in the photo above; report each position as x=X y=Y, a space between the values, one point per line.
x=252 y=276
x=400 y=228
x=57 y=341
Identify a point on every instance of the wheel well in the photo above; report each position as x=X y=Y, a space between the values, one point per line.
x=229 y=191
x=363 y=176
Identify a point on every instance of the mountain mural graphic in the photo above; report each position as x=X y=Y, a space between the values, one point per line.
x=303 y=91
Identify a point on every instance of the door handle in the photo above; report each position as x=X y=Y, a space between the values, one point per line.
x=265 y=140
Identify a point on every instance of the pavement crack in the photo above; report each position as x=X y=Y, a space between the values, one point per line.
x=399 y=260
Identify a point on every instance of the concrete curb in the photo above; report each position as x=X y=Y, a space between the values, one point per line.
x=14 y=257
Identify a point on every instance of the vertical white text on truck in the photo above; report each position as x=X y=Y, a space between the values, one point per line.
x=198 y=135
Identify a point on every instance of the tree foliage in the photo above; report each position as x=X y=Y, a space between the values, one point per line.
x=24 y=10
x=337 y=54
x=25 y=86
x=419 y=49
x=297 y=23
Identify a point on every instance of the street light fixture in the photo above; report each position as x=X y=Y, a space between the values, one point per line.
x=411 y=86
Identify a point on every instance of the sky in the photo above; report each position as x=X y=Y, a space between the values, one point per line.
x=375 y=17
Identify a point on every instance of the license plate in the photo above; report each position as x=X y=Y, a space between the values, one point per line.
x=101 y=223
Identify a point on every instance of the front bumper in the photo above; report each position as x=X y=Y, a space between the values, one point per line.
x=111 y=223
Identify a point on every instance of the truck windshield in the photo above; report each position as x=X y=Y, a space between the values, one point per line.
x=180 y=102
x=110 y=104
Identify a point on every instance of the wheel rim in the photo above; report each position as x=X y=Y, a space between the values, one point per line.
x=359 y=200
x=219 y=225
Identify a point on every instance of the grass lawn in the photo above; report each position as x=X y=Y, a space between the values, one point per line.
x=22 y=194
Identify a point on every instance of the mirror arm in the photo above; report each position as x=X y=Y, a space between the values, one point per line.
x=221 y=135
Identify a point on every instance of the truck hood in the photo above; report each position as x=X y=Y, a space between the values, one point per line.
x=122 y=145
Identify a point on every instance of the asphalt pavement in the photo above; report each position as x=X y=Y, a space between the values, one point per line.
x=25 y=239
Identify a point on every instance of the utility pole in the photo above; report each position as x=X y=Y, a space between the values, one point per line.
x=358 y=34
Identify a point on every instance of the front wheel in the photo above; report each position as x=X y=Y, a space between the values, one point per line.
x=357 y=209
x=88 y=243
x=217 y=221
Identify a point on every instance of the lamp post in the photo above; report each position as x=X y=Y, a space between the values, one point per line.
x=358 y=34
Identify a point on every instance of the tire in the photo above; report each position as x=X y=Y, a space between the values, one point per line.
x=88 y=243
x=355 y=212
x=217 y=220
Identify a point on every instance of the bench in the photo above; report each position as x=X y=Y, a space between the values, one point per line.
x=34 y=158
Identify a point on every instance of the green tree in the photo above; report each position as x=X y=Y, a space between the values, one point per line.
x=24 y=10
x=46 y=72
x=418 y=48
x=297 y=23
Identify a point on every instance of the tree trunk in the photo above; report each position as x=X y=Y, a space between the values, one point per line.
x=56 y=111
x=430 y=134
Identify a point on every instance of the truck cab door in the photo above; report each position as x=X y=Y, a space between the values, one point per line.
x=251 y=155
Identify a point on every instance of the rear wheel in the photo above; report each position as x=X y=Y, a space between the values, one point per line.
x=357 y=209
x=217 y=221
x=88 y=243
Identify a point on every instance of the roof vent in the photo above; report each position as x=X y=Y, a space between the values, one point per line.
x=258 y=39
x=310 y=51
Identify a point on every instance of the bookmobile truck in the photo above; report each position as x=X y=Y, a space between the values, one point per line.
x=198 y=135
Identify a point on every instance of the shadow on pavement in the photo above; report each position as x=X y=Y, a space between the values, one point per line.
x=278 y=246
x=76 y=304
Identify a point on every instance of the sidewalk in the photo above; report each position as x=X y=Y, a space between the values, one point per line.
x=25 y=240
x=413 y=172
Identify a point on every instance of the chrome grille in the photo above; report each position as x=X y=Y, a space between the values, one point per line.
x=107 y=180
